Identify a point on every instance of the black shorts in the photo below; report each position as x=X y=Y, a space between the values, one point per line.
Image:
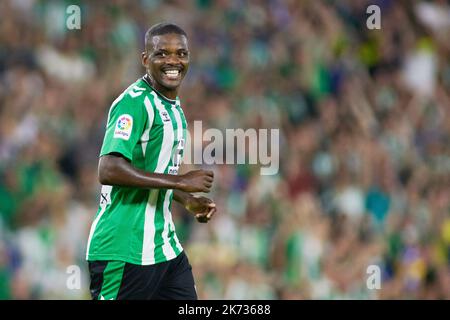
x=170 y=280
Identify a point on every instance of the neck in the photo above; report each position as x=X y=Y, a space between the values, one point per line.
x=169 y=94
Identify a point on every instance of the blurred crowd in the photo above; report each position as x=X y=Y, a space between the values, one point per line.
x=364 y=119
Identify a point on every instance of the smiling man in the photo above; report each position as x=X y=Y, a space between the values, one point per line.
x=133 y=251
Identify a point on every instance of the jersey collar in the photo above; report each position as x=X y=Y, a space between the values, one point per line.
x=146 y=79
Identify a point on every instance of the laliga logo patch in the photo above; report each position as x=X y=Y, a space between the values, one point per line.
x=124 y=126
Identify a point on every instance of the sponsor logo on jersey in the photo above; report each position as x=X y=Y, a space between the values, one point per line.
x=123 y=127
x=165 y=116
x=173 y=170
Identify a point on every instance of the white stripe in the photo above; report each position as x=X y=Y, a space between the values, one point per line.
x=105 y=190
x=148 y=246
x=179 y=123
x=168 y=137
x=181 y=111
x=168 y=251
x=146 y=135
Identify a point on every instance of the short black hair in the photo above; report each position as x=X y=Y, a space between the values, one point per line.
x=160 y=29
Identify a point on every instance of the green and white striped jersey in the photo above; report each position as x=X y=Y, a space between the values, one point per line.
x=135 y=225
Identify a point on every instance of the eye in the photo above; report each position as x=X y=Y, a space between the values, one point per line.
x=183 y=54
x=160 y=54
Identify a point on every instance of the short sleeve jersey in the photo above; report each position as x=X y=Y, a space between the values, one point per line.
x=132 y=224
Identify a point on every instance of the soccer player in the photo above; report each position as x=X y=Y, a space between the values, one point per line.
x=133 y=251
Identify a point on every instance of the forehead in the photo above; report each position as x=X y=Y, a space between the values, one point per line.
x=169 y=41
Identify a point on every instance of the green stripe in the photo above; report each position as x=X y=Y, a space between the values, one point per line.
x=138 y=154
x=112 y=278
x=159 y=227
x=171 y=235
x=173 y=243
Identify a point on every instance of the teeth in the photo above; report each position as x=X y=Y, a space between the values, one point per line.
x=172 y=72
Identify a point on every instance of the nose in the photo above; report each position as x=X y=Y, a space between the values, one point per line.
x=172 y=59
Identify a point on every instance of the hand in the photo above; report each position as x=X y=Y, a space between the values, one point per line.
x=203 y=208
x=196 y=181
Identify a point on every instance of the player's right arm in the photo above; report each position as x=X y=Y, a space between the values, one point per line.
x=126 y=121
x=114 y=169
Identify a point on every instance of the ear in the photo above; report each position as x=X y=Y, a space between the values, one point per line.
x=144 y=59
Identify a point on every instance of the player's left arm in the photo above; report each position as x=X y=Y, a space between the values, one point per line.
x=202 y=207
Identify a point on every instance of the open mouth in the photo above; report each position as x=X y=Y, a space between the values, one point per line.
x=172 y=74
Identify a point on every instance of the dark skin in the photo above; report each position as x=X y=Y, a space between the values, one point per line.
x=163 y=53
x=166 y=61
